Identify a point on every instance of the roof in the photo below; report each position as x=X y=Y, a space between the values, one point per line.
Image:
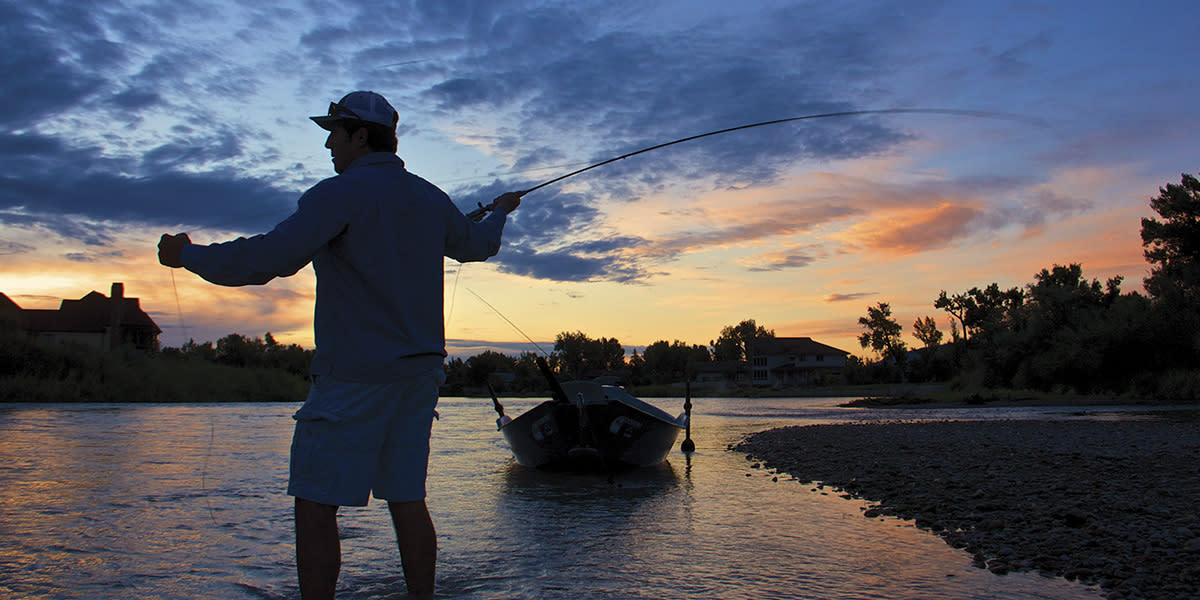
x=794 y=346
x=91 y=313
x=7 y=305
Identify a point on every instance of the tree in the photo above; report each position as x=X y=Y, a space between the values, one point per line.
x=982 y=313
x=575 y=354
x=481 y=366
x=927 y=332
x=672 y=362
x=1060 y=294
x=883 y=333
x=1172 y=245
x=736 y=342
x=238 y=350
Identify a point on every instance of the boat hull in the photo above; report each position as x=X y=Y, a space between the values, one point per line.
x=599 y=427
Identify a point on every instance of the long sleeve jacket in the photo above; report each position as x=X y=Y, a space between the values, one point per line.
x=376 y=236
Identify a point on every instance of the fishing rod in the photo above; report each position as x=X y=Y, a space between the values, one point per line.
x=482 y=211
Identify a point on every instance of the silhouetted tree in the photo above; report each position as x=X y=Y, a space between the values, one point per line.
x=481 y=366
x=1172 y=245
x=575 y=354
x=883 y=333
x=672 y=362
x=981 y=312
x=238 y=350
x=926 y=331
x=736 y=342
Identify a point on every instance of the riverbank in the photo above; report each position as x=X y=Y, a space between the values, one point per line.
x=1108 y=503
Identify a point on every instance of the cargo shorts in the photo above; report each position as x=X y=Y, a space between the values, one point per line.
x=355 y=439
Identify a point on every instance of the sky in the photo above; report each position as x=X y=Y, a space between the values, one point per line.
x=1055 y=123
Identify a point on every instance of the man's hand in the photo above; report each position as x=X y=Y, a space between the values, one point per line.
x=507 y=202
x=170 y=246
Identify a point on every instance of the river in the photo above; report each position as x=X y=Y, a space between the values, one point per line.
x=186 y=501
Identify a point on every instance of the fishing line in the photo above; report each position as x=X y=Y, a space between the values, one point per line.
x=480 y=212
x=212 y=423
x=212 y=434
x=178 y=305
x=513 y=325
x=454 y=294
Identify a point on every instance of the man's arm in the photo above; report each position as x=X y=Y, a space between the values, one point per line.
x=471 y=241
x=261 y=258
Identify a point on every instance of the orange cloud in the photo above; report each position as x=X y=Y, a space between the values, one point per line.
x=910 y=232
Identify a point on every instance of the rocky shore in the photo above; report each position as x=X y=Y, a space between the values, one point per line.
x=1108 y=503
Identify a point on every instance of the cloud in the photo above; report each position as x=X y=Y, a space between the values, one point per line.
x=831 y=298
x=909 y=232
x=793 y=258
x=76 y=191
x=10 y=248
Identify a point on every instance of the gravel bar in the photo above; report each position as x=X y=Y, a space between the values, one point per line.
x=1108 y=503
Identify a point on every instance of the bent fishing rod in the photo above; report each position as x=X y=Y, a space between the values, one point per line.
x=482 y=211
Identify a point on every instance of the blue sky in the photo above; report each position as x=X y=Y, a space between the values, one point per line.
x=130 y=119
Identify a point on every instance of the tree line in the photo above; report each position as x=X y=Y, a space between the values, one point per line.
x=577 y=355
x=1062 y=331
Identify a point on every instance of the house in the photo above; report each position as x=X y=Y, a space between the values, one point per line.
x=790 y=361
x=94 y=320
x=721 y=373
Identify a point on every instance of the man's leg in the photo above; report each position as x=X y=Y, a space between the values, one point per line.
x=418 y=546
x=318 y=550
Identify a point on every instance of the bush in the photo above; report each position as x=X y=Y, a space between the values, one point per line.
x=35 y=371
x=1178 y=385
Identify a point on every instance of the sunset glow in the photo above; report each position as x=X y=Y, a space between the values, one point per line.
x=132 y=121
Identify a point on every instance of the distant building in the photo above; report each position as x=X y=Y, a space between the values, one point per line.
x=722 y=373
x=93 y=320
x=777 y=362
x=792 y=361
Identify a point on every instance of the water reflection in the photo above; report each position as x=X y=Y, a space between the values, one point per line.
x=175 y=501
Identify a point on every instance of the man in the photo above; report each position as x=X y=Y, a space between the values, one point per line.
x=376 y=236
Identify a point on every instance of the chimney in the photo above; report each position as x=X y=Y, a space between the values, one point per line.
x=116 y=305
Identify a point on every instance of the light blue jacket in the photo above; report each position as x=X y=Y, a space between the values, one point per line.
x=376 y=235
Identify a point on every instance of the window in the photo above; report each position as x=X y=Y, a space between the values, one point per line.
x=760 y=361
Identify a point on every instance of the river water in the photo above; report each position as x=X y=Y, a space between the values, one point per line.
x=186 y=501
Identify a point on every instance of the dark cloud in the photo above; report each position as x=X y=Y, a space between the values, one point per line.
x=608 y=93
x=135 y=99
x=9 y=248
x=91 y=257
x=586 y=82
x=75 y=193
x=1033 y=210
x=463 y=348
x=68 y=226
x=849 y=297
x=785 y=261
x=44 y=75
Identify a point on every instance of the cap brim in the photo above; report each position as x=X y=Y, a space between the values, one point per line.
x=327 y=122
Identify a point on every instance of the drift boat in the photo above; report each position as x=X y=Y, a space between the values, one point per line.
x=589 y=426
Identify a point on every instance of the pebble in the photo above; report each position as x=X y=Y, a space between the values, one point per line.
x=1108 y=503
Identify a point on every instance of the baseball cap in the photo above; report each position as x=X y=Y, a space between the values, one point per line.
x=364 y=106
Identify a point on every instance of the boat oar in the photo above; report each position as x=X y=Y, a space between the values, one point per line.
x=501 y=419
x=556 y=390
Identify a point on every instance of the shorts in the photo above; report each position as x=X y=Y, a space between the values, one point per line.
x=356 y=439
